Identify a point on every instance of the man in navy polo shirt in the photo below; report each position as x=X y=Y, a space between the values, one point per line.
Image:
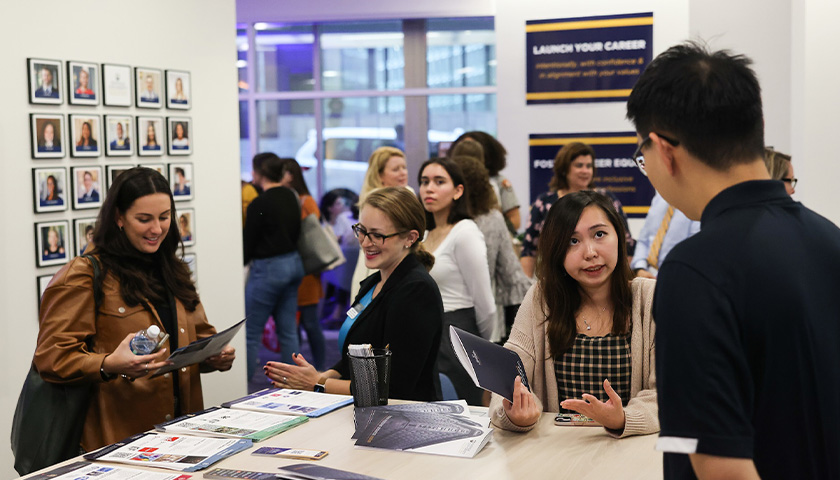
x=747 y=310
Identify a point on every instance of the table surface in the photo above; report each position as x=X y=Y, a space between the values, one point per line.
x=548 y=451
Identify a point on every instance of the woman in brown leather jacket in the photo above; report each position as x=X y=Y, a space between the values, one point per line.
x=143 y=282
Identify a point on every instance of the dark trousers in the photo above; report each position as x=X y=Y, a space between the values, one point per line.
x=448 y=363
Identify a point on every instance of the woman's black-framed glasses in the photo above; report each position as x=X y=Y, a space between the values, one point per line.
x=639 y=157
x=375 y=238
x=791 y=181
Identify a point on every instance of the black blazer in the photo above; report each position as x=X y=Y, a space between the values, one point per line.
x=407 y=314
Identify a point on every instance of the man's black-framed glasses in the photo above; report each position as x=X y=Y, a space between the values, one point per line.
x=791 y=181
x=375 y=238
x=639 y=157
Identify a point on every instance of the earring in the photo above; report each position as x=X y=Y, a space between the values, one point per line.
x=122 y=229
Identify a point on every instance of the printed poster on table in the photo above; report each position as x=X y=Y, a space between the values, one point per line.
x=586 y=59
x=615 y=169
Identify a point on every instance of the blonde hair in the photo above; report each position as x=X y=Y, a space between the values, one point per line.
x=777 y=163
x=406 y=213
x=376 y=165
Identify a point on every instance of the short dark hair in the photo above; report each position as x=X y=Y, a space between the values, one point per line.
x=495 y=154
x=563 y=161
x=461 y=207
x=136 y=270
x=259 y=159
x=710 y=101
x=560 y=293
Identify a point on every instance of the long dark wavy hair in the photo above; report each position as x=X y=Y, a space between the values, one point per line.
x=135 y=270
x=460 y=209
x=561 y=296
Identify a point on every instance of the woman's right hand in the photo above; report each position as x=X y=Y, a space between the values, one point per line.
x=523 y=411
x=122 y=361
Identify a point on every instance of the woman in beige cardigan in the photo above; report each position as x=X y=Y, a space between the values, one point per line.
x=583 y=307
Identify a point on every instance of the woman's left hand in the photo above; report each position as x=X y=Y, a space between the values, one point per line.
x=301 y=376
x=609 y=414
x=223 y=361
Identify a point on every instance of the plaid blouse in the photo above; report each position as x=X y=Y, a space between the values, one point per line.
x=590 y=360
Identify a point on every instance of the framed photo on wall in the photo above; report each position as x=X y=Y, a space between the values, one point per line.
x=118 y=135
x=83 y=227
x=180 y=135
x=189 y=259
x=181 y=181
x=47 y=135
x=43 y=283
x=178 y=93
x=116 y=85
x=53 y=240
x=148 y=87
x=85 y=136
x=82 y=83
x=114 y=171
x=45 y=85
x=186 y=225
x=159 y=167
x=150 y=135
x=50 y=187
x=87 y=187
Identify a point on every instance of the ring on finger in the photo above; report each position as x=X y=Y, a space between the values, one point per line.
x=285 y=380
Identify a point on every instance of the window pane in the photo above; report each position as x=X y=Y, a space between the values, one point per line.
x=452 y=115
x=244 y=144
x=362 y=56
x=287 y=128
x=284 y=57
x=461 y=52
x=242 y=58
x=354 y=128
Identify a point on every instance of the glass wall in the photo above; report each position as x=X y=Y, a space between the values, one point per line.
x=328 y=95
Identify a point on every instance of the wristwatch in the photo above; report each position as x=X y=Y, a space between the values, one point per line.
x=321 y=387
x=106 y=376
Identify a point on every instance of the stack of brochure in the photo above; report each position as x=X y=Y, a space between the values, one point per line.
x=187 y=454
x=228 y=423
x=441 y=428
x=290 y=402
x=91 y=471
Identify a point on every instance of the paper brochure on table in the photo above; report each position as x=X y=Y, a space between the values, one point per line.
x=175 y=452
x=230 y=423
x=491 y=367
x=97 y=471
x=291 y=402
x=435 y=431
x=308 y=471
x=363 y=415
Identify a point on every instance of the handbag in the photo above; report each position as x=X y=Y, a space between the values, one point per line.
x=318 y=249
x=49 y=417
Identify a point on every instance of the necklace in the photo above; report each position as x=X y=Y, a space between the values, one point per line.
x=583 y=317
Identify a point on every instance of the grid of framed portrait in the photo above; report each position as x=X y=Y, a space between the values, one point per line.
x=82 y=83
x=190 y=260
x=83 y=228
x=87 y=187
x=43 y=283
x=53 y=240
x=96 y=132
x=47 y=135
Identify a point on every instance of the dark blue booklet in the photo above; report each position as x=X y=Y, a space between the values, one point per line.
x=492 y=367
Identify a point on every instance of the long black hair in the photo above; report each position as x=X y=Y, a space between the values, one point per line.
x=135 y=270
x=560 y=292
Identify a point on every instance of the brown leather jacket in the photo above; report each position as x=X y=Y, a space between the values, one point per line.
x=118 y=408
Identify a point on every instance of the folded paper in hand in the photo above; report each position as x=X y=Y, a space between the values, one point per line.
x=492 y=367
x=199 y=350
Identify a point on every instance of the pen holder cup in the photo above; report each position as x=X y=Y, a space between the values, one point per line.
x=370 y=378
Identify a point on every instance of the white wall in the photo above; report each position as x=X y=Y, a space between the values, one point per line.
x=161 y=35
x=516 y=120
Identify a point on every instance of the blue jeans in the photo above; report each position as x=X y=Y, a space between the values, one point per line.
x=312 y=326
x=272 y=291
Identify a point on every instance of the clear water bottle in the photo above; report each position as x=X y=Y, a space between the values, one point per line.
x=145 y=341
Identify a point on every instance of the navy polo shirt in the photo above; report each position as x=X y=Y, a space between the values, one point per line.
x=748 y=337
